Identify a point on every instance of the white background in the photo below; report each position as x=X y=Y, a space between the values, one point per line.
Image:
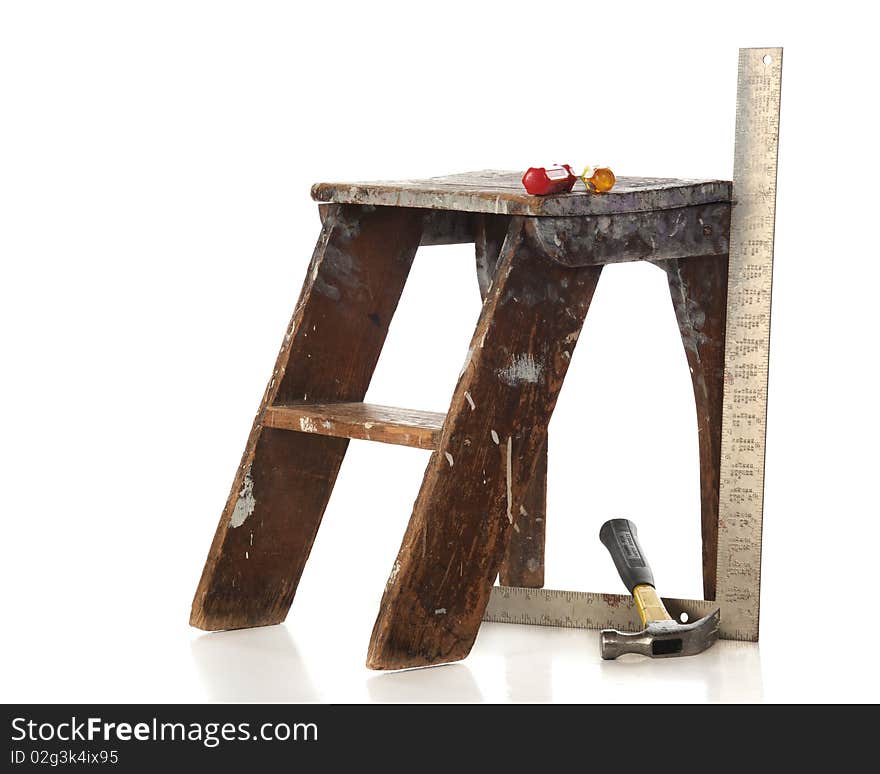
x=155 y=227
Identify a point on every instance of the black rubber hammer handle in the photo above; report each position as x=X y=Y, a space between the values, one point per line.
x=621 y=539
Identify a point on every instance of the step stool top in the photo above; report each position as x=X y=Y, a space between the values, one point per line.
x=501 y=192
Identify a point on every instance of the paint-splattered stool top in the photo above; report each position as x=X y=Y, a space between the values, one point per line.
x=502 y=193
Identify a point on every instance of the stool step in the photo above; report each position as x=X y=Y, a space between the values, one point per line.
x=365 y=421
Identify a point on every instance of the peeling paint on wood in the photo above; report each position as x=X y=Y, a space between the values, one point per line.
x=394 y=570
x=509 y=479
x=364 y=421
x=245 y=504
x=521 y=368
x=308 y=425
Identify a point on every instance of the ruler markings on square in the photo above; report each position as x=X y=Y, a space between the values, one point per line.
x=744 y=414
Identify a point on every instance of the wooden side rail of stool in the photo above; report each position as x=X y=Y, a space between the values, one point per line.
x=481 y=508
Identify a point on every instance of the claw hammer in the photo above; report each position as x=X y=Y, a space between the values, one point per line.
x=662 y=636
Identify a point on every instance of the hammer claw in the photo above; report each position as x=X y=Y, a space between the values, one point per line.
x=663 y=639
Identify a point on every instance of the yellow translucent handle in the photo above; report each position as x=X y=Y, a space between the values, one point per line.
x=598 y=179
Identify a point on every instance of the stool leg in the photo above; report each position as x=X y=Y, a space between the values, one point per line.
x=523 y=563
x=285 y=478
x=699 y=295
x=476 y=483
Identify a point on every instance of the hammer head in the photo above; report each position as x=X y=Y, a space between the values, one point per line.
x=663 y=639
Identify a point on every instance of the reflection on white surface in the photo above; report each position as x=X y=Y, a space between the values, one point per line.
x=529 y=664
x=252 y=665
x=451 y=683
x=727 y=672
x=542 y=664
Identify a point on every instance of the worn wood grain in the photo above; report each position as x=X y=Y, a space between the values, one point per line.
x=698 y=287
x=523 y=563
x=476 y=483
x=502 y=193
x=681 y=232
x=439 y=227
x=489 y=234
x=448 y=227
x=365 y=421
x=280 y=491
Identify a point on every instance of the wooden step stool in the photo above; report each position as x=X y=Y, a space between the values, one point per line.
x=481 y=507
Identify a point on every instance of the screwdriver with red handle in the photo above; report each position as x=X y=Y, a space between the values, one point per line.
x=540 y=181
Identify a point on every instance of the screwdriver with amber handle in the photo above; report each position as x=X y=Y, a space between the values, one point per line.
x=598 y=179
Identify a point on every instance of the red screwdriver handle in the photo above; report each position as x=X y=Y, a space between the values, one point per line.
x=540 y=181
